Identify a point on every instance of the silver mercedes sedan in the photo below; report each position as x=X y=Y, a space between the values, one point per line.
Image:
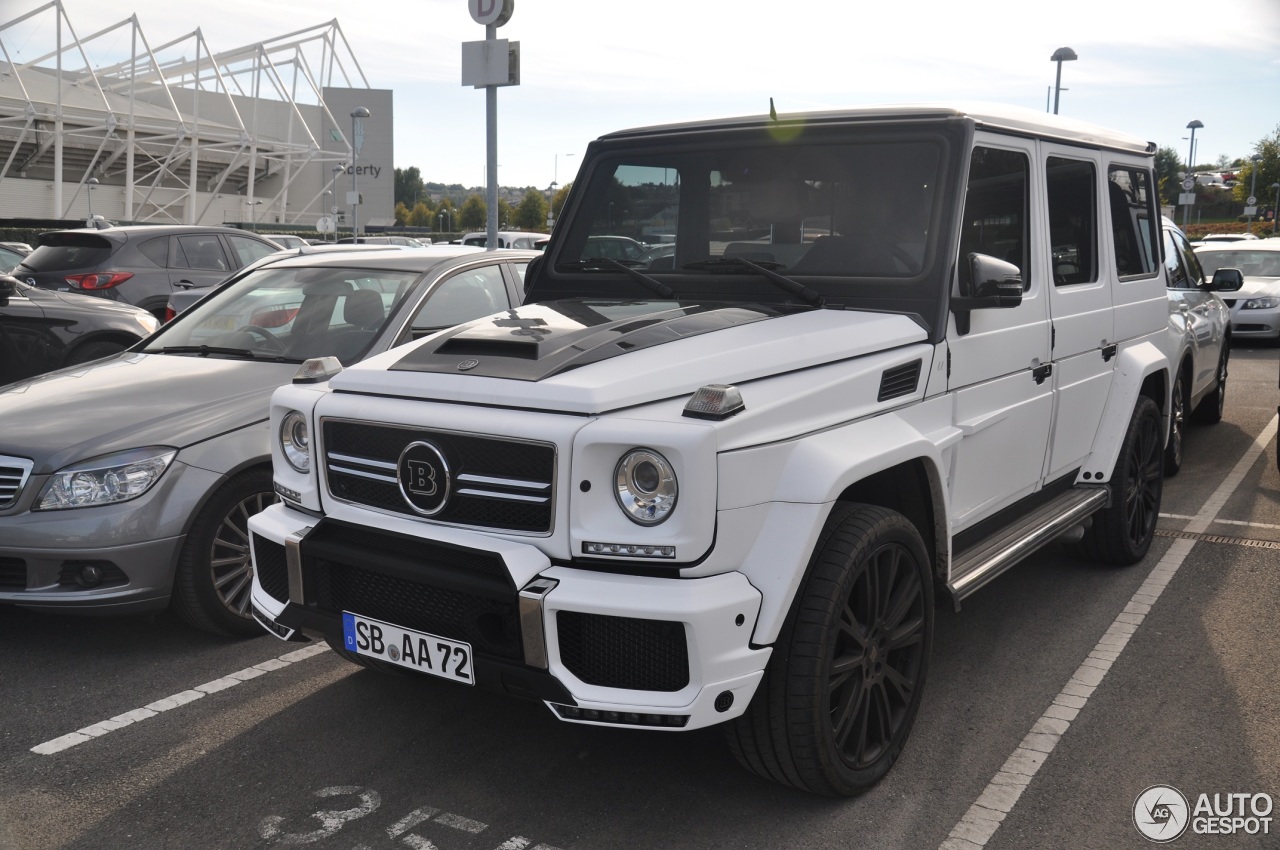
x=126 y=484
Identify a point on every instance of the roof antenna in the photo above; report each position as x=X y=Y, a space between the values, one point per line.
x=773 y=113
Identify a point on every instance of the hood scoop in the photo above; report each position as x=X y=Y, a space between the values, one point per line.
x=538 y=341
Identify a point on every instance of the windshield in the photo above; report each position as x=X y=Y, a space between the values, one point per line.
x=833 y=210
x=290 y=314
x=1251 y=263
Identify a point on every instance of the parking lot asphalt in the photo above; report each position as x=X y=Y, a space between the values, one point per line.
x=199 y=742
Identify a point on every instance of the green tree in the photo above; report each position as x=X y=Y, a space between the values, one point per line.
x=421 y=215
x=557 y=203
x=474 y=213
x=1168 y=171
x=504 y=214
x=531 y=214
x=447 y=216
x=402 y=213
x=408 y=186
x=1268 y=170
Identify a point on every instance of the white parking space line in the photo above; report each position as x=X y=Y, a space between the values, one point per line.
x=1225 y=521
x=983 y=818
x=97 y=730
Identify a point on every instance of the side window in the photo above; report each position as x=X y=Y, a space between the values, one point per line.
x=1194 y=272
x=200 y=252
x=465 y=296
x=1133 y=220
x=1173 y=264
x=995 y=211
x=247 y=250
x=156 y=250
x=1073 y=225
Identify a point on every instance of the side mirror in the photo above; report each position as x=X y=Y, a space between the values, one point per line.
x=7 y=289
x=1226 y=280
x=995 y=284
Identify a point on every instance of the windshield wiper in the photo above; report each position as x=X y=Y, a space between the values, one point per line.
x=653 y=284
x=786 y=284
x=206 y=350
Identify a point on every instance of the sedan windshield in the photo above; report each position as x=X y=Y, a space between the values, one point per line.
x=289 y=314
x=1251 y=263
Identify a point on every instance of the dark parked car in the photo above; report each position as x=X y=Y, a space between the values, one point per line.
x=41 y=330
x=126 y=486
x=139 y=264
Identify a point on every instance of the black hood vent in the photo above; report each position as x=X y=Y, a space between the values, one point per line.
x=899 y=381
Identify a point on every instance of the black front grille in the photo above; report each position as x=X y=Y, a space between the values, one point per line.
x=13 y=476
x=495 y=482
x=458 y=593
x=273 y=572
x=13 y=574
x=624 y=652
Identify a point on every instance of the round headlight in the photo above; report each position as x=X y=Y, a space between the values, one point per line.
x=295 y=441
x=646 y=486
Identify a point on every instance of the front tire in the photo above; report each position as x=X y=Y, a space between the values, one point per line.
x=1210 y=408
x=1179 y=403
x=214 y=579
x=1121 y=533
x=844 y=684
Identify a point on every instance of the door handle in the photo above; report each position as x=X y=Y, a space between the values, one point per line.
x=1041 y=372
x=185 y=284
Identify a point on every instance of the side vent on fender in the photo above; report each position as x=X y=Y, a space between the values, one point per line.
x=899 y=381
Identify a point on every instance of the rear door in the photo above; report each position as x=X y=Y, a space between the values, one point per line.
x=1203 y=314
x=197 y=260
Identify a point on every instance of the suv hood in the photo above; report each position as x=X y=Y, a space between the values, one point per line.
x=132 y=400
x=589 y=357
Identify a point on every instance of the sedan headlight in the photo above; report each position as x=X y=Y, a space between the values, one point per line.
x=295 y=441
x=1266 y=303
x=646 y=486
x=105 y=480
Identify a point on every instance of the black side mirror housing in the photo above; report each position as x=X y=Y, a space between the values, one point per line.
x=7 y=289
x=996 y=284
x=1226 y=280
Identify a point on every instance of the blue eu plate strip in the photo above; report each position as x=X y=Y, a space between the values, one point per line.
x=349 y=631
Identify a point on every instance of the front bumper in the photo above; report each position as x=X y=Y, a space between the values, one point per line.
x=134 y=546
x=1261 y=324
x=597 y=648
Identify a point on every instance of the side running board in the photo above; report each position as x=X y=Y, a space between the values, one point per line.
x=980 y=563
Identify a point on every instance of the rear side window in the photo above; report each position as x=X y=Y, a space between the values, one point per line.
x=247 y=250
x=463 y=297
x=200 y=252
x=1133 y=220
x=156 y=250
x=66 y=251
x=1073 y=225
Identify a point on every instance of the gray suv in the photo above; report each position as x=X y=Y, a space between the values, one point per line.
x=140 y=264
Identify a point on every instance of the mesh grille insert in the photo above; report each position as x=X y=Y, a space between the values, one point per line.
x=624 y=652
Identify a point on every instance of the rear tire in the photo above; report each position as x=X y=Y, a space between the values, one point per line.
x=844 y=684
x=1179 y=402
x=1121 y=533
x=1210 y=408
x=214 y=579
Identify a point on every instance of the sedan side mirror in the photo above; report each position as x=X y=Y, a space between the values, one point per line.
x=7 y=289
x=1226 y=280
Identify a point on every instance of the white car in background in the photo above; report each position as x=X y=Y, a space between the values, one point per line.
x=1197 y=342
x=1255 y=309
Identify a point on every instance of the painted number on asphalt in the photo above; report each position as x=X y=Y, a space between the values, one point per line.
x=331 y=820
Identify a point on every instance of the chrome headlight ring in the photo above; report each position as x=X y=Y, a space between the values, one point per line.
x=645 y=486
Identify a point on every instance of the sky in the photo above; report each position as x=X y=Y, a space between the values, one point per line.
x=589 y=67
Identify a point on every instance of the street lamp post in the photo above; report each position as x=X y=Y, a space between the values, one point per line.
x=253 y=224
x=1191 y=164
x=357 y=141
x=1275 y=208
x=91 y=183
x=555 y=184
x=1062 y=54
x=1253 y=191
x=333 y=210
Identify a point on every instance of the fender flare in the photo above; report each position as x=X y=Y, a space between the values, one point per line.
x=1135 y=365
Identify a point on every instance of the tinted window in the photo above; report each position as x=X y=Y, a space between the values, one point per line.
x=995 y=211
x=1133 y=220
x=63 y=251
x=156 y=250
x=247 y=250
x=1251 y=263
x=1073 y=226
x=465 y=296
x=1173 y=264
x=200 y=252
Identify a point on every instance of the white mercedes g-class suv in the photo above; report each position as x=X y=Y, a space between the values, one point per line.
x=894 y=352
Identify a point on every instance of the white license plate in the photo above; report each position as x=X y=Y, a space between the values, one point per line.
x=426 y=653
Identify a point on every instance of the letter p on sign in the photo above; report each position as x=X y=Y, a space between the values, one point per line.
x=491 y=12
